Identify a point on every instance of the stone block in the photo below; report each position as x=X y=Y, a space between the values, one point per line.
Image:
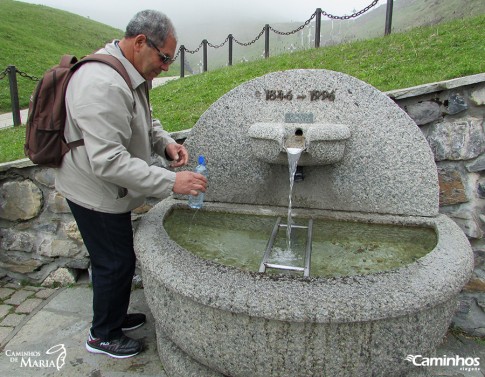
x=470 y=317
x=469 y=221
x=18 y=297
x=19 y=262
x=475 y=285
x=61 y=277
x=72 y=231
x=17 y=240
x=22 y=200
x=424 y=112
x=28 y=306
x=461 y=140
x=58 y=248
x=4 y=310
x=45 y=293
x=4 y=333
x=455 y=104
x=46 y=177
x=452 y=188
x=476 y=165
x=5 y=293
x=12 y=320
x=477 y=96
x=57 y=203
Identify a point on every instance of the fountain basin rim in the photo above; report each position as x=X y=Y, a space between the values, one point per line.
x=428 y=282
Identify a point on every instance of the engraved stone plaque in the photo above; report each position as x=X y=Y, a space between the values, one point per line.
x=299 y=118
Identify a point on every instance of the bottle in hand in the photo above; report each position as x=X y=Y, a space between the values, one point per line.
x=196 y=201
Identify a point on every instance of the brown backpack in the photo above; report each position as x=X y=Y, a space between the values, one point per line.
x=44 y=139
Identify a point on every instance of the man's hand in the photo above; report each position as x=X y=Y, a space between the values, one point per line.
x=189 y=183
x=178 y=154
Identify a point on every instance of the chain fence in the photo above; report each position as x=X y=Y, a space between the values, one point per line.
x=230 y=39
x=23 y=74
x=265 y=31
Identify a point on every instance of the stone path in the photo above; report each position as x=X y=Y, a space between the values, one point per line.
x=39 y=324
x=17 y=303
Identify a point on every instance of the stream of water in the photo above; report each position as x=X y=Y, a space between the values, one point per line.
x=293 y=157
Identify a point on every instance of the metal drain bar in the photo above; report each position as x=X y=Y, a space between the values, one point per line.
x=269 y=247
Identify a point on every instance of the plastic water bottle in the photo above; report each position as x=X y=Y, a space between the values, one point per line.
x=197 y=201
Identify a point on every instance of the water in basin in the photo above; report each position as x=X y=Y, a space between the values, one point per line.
x=339 y=248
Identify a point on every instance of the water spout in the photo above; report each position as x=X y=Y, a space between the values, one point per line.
x=322 y=143
x=295 y=143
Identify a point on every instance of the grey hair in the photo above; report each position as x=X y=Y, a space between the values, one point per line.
x=154 y=24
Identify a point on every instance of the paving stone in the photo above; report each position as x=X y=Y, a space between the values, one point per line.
x=28 y=305
x=13 y=285
x=44 y=293
x=4 y=332
x=5 y=293
x=12 y=320
x=4 y=310
x=32 y=288
x=18 y=297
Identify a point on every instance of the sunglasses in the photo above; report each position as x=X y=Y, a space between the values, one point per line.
x=164 y=58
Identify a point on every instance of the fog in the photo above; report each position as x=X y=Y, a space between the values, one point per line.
x=195 y=20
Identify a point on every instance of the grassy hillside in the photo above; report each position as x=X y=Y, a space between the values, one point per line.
x=419 y=56
x=34 y=37
x=407 y=15
x=46 y=33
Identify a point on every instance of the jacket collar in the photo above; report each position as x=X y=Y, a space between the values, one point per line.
x=114 y=49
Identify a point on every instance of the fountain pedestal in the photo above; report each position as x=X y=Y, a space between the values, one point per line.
x=216 y=320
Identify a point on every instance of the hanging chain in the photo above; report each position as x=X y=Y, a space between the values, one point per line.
x=253 y=41
x=307 y=22
x=23 y=74
x=218 y=46
x=356 y=14
x=4 y=73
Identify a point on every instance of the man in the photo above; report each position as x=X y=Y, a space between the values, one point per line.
x=110 y=175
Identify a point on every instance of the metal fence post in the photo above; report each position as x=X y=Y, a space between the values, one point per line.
x=390 y=5
x=318 y=24
x=14 y=95
x=230 y=49
x=266 y=41
x=204 y=42
x=182 y=61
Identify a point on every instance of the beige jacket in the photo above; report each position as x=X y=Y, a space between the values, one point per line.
x=111 y=172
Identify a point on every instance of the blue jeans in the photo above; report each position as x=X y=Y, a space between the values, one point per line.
x=109 y=240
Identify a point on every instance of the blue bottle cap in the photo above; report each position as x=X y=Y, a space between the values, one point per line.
x=201 y=160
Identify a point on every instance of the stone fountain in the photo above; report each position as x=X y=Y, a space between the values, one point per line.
x=363 y=161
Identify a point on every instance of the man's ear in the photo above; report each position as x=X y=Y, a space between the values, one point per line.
x=140 y=40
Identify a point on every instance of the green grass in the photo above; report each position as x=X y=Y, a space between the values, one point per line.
x=422 y=55
x=12 y=143
x=34 y=37
x=419 y=56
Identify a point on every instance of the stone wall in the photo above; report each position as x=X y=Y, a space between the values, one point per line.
x=40 y=243
x=451 y=115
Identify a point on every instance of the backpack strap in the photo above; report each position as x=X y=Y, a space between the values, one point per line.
x=101 y=58
x=67 y=61
x=109 y=60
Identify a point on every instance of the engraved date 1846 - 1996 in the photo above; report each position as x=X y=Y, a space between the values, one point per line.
x=313 y=95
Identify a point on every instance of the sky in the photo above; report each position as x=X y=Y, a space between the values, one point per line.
x=194 y=16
